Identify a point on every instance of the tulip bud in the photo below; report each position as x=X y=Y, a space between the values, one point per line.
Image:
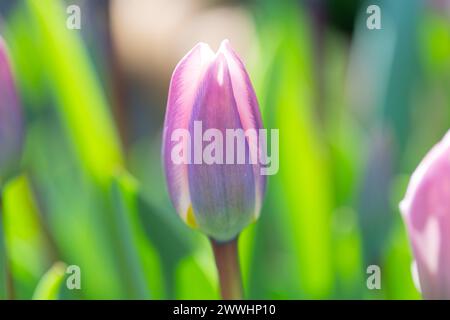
x=212 y=123
x=426 y=212
x=10 y=118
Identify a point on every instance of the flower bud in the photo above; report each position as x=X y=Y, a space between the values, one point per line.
x=426 y=212
x=212 y=143
x=10 y=118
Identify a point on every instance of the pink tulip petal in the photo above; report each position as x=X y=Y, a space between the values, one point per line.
x=185 y=82
x=248 y=109
x=223 y=195
x=11 y=127
x=426 y=211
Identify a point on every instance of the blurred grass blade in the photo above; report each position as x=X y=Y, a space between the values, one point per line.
x=348 y=254
x=168 y=236
x=81 y=103
x=124 y=206
x=387 y=63
x=77 y=210
x=196 y=277
x=85 y=151
x=344 y=138
x=302 y=187
x=3 y=268
x=49 y=286
x=27 y=246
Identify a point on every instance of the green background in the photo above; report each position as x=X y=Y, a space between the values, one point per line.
x=356 y=109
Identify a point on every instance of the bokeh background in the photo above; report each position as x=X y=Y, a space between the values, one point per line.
x=357 y=109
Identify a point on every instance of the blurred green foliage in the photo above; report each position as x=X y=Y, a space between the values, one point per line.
x=354 y=120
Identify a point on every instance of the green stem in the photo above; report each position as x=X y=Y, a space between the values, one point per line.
x=227 y=262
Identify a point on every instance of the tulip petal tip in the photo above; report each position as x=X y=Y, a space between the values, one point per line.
x=403 y=206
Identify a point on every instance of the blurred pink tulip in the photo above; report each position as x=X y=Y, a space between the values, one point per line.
x=11 y=127
x=426 y=212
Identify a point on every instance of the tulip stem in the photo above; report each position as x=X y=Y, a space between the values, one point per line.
x=227 y=262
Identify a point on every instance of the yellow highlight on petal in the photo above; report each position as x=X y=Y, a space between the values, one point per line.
x=190 y=218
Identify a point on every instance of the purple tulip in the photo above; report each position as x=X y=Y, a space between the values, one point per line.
x=211 y=94
x=426 y=212
x=10 y=118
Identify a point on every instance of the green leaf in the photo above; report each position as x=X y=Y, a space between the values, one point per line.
x=26 y=244
x=196 y=276
x=168 y=235
x=80 y=100
x=130 y=240
x=296 y=214
x=3 y=268
x=50 y=283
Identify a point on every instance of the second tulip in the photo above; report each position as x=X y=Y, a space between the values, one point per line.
x=11 y=127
